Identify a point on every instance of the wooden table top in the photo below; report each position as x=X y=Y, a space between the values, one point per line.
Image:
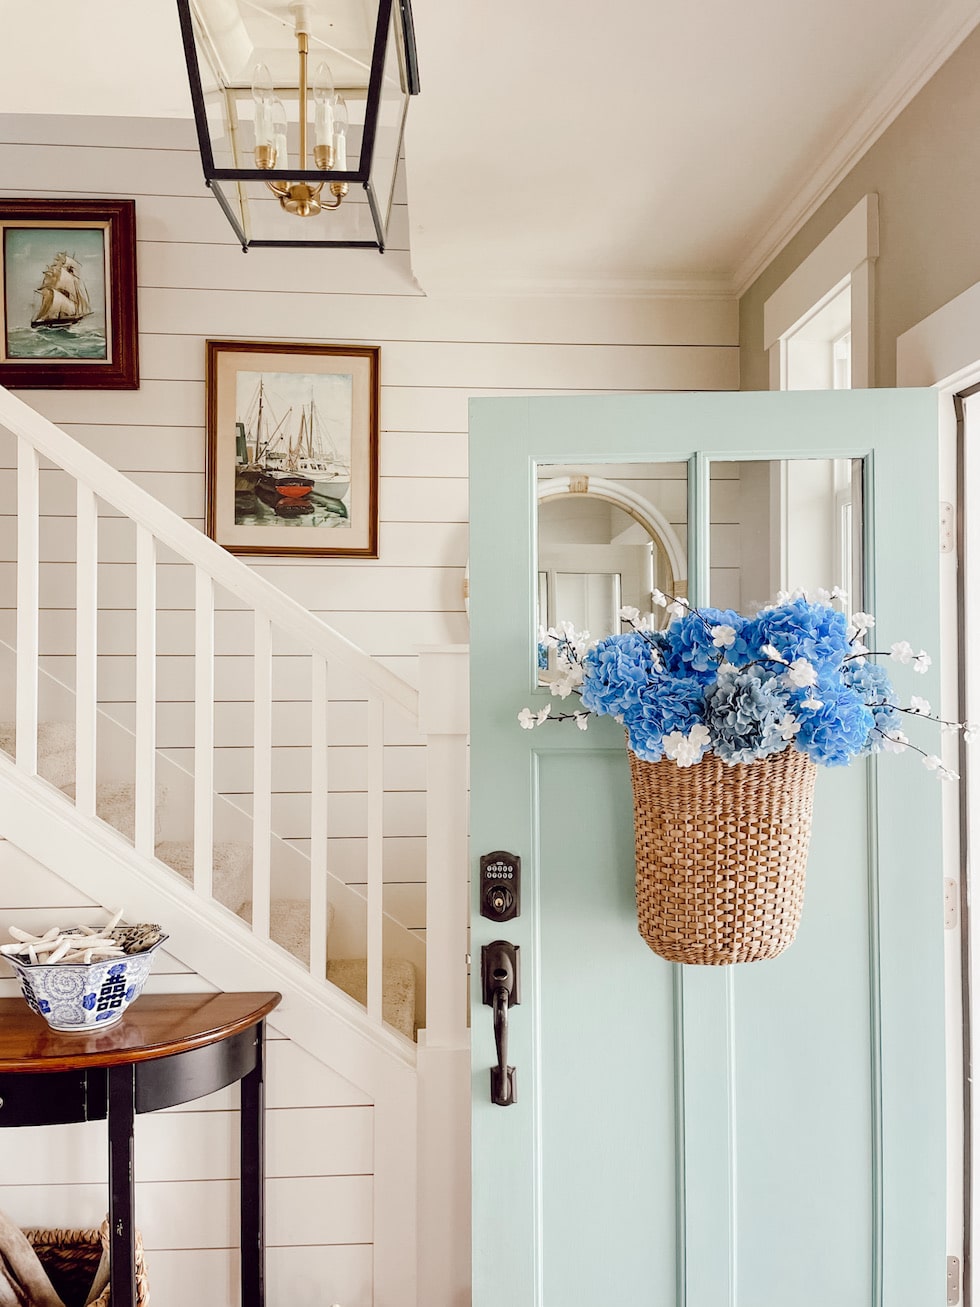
x=156 y=1025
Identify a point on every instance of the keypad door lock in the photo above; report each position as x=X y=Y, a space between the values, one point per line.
x=500 y=886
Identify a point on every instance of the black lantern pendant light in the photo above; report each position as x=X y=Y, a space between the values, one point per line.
x=298 y=106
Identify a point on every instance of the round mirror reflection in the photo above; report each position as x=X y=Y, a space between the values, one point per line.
x=602 y=546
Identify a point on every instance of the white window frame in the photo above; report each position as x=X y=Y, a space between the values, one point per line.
x=845 y=258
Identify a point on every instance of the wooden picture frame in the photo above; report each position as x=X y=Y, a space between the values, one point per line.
x=68 y=294
x=292 y=453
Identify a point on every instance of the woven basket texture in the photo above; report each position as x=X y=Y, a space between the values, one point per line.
x=721 y=855
x=71 y=1257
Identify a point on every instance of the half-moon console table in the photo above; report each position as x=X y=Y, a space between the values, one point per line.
x=167 y=1049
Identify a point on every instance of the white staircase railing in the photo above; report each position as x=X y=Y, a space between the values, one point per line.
x=276 y=621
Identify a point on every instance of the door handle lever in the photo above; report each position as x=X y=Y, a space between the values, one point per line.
x=500 y=962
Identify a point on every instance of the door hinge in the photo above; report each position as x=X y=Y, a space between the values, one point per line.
x=950 y=903
x=947 y=527
x=952 y=1281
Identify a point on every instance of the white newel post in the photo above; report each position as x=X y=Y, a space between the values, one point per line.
x=443 y=1050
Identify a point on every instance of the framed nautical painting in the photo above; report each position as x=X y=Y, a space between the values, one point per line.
x=292 y=457
x=68 y=294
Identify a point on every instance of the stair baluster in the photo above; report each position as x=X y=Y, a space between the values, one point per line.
x=262 y=778
x=375 y=854
x=146 y=690
x=86 y=647
x=28 y=590
x=203 y=732
x=319 y=817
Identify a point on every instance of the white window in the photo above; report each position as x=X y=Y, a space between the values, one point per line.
x=818 y=326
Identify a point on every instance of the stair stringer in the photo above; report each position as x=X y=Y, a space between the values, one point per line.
x=324 y=1021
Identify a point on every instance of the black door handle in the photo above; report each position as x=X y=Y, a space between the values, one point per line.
x=500 y=962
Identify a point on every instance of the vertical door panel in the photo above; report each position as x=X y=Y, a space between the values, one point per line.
x=604 y=1205
x=804 y=1078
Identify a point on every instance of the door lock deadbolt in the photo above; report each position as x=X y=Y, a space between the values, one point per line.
x=500 y=886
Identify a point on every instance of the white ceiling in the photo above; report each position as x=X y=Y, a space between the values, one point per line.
x=625 y=147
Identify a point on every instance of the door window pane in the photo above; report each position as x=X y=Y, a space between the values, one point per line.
x=784 y=524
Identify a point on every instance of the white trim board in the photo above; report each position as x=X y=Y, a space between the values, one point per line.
x=824 y=271
x=943 y=349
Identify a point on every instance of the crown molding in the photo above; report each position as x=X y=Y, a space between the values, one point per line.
x=950 y=28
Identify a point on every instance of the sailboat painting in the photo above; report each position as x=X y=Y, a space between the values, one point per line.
x=292 y=449
x=292 y=462
x=55 y=293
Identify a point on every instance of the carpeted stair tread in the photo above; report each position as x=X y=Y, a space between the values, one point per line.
x=115 y=803
x=398 y=986
x=231 y=867
x=55 y=749
x=289 y=924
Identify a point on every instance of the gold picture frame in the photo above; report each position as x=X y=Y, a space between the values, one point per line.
x=292 y=452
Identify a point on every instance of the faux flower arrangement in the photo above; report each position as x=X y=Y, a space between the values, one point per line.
x=796 y=675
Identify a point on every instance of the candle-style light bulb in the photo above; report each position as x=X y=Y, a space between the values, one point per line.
x=264 y=97
x=324 y=100
x=278 y=114
x=340 y=121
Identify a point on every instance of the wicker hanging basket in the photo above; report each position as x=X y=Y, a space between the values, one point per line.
x=71 y=1258
x=721 y=855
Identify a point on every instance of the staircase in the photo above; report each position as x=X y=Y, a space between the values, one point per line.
x=289 y=918
x=94 y=797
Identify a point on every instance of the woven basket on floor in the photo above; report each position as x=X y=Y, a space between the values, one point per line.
x=721 y=855
x=71 y=1257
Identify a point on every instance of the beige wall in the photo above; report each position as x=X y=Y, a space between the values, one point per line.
x=926 y=171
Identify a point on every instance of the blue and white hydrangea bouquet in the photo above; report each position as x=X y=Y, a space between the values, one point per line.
x=798 y=675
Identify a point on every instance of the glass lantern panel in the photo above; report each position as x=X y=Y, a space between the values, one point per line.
x=392 y=109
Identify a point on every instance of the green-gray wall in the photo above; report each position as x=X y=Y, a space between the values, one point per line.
x=926 y=171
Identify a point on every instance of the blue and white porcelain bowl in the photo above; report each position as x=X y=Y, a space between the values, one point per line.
x=84 y=996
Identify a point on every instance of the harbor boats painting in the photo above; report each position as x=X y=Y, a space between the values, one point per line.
x=68 y=277
x=292 y=441
x=292 y=460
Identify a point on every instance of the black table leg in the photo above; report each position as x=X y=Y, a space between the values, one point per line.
x=122 y=1236
x=253 y=1178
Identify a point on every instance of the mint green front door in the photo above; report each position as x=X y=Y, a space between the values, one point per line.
x=769 y=1135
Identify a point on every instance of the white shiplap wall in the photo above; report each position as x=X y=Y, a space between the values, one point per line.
x=195 y=284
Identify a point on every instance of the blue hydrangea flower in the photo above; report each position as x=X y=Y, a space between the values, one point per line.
x=542 y=657
x=617 y=673
x=838 y=731
x=799 y=629
x=745 y=713
x=689 y=648
x=672 y=705
x=871 y=682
